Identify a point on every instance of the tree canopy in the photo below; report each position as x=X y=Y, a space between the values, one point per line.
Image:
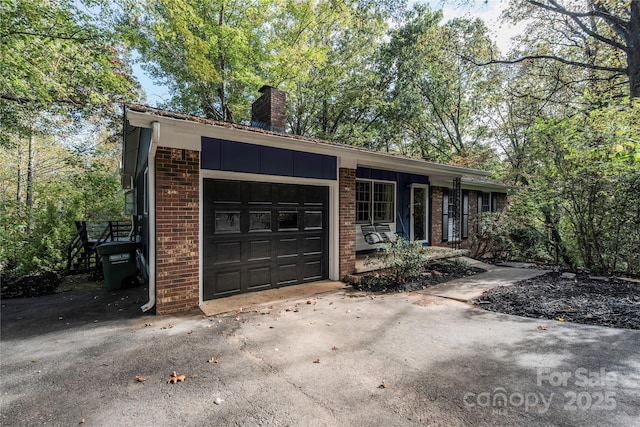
x=556 y=115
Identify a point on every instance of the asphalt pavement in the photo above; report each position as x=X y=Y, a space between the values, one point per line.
x=338 y=359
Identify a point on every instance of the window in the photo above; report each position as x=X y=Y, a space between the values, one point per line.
x=227 y=222
x=363 y=202
x=287 y=220
x=313 y=220
x=484 y=202
x=375 y=202
x=130 y=202
x=465 y=214
x=260 y=221
x=448 y=216
x=446 y=207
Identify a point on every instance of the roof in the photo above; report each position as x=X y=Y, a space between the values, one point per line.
x=471 y=176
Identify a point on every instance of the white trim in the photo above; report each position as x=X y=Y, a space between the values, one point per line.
x=152 y=262
x=334 y=211
x=426 y=214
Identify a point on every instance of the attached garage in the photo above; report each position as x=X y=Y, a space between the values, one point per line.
x=261 y=235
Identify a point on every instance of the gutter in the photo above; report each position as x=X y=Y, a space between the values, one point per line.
x=153 y=146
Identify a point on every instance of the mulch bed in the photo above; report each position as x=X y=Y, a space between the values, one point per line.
x=435 y=272
x=33 y=285
x=570 y=297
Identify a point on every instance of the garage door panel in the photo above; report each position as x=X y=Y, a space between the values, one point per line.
x=312 y=270
x=227 y=252
x=312 y=245
x=228 y=282
x=262 y=235
x=287 y=274
x=259 y=250
x=288 y=247
x=259 y=278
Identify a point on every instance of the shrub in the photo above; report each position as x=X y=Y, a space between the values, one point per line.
x=404 y=260
x=492 y=236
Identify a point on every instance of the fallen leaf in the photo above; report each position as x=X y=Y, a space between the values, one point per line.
x=560 y=319
x=542 y=327
x=334 y=348
x=140 y=378
x=173 y=379
x=213 y=360
x=382 y=384
x=316 y=361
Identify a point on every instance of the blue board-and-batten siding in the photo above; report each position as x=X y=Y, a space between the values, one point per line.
x=232 y=156
x=403 y=192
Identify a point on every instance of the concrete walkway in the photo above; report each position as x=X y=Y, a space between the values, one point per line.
x=462 y=289
x=467 y=288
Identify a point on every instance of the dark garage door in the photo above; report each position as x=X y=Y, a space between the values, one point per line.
x=263 y=235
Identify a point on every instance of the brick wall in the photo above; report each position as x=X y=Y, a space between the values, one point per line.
x=177 y=230
x=347 y=221
x=270 y=110
x=436 y=217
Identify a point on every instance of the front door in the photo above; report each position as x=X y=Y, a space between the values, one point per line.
x=419 y=212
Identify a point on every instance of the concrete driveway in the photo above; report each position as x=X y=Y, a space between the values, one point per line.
x=342 y=359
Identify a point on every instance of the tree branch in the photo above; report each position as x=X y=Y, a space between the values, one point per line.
x=575 y=16
x=600 y=12
x=49 y=36
x=624 y=70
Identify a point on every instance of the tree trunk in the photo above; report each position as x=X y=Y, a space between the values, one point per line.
x=633 y=50
x=19 y=186
x=30 y=170
x=555 y=235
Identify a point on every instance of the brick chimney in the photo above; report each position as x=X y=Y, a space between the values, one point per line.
x=270 y=110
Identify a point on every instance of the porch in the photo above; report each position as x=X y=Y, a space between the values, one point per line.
x=432 y=253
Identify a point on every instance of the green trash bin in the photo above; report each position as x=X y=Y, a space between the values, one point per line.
x=119 y=264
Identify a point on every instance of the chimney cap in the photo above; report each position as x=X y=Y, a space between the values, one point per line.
x=264 y=88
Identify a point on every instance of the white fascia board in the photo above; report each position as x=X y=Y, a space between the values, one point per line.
x=487 y=186
x=179 y=133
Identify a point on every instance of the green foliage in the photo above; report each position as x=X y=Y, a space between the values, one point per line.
x=74 y=179
x=440 y=93
x=596 y=189
x=403 y=260
x=491 y=238
x=55 y=58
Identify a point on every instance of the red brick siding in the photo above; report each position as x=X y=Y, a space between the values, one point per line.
x=436 y=217
x=177 y=230
x=347 y=221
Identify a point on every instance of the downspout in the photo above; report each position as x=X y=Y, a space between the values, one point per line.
x=153 y=146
